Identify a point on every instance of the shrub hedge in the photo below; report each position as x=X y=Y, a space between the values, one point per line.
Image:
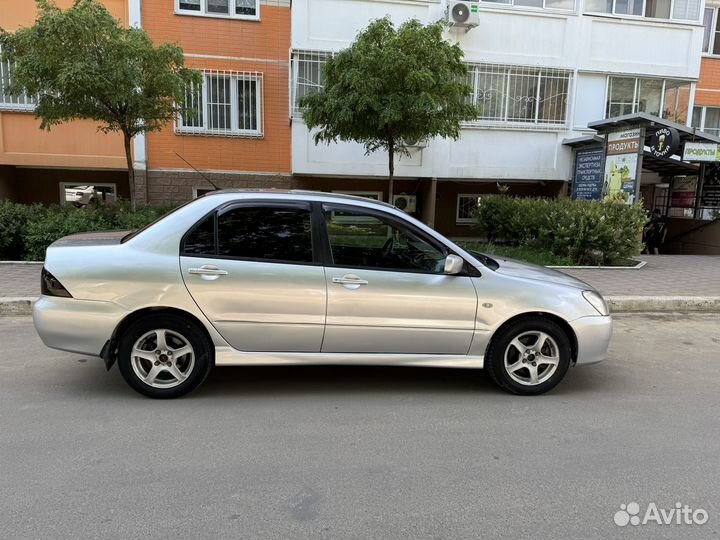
x=596 y=232
x=27 y=230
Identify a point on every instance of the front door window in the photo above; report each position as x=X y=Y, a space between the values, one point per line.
x=361 y=240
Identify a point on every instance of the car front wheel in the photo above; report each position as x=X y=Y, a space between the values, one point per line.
x=530 y=356
x=164 y=356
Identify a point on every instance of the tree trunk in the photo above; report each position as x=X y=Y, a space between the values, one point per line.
x=131 y=168
x=391 y=167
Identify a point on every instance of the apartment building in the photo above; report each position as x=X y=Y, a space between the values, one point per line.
x=542 y=71
x=239 y=134
x=47 y=166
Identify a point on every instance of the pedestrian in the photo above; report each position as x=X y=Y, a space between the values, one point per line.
x=654 y=233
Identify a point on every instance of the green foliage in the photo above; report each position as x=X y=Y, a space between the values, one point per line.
x=13 y=222
x=520 y=253
x=27 y=231
x=392 y=85
x=81 y=63
x=594 y=232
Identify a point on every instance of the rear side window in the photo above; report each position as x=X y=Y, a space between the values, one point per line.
x=201 y=240
x=266 y=233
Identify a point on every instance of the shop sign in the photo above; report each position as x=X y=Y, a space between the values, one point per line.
x=624 y=142
x=664 y=142
x=683 y=192
x=588 y=179
x=701 y=151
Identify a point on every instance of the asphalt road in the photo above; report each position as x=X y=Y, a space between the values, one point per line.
x=316 y=453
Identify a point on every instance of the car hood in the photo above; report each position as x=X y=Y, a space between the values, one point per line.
x=105 y=238
x=511 y=267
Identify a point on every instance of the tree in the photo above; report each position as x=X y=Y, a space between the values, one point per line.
x=390 y=86
x=81 y=63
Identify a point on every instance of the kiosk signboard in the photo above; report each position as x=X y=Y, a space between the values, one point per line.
x=701 y=152
x=621 y=165
x=588 y=179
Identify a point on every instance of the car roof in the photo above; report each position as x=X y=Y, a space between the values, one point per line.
x=307 y=193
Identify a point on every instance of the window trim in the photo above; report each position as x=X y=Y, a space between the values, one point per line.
x=703 y=117
x=636 y=94
x=327 y=208
x=235 y=77
x=258 y=203
x=8 y=106
x=507 y=72
x=511 y=5
x=458 y=219
x=714 y=31
x=361 y=193
x=643 y=17
x=204 y=13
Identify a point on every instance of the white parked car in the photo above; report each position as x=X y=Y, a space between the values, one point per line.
x=80 y=195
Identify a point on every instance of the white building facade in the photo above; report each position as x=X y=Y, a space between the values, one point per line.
x=540 y=69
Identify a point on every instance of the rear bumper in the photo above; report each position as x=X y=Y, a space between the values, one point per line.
x=593 y=338
x=79 y=326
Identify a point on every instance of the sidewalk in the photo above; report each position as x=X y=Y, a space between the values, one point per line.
x=665 y=283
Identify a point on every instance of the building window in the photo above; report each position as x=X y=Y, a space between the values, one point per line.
x=547 y=4
x=226 y=103
x=307 y=76
x=8 y=102
x=82 y=195
x=665 y=98
x=686 y=10
x=200 y=191
x=517 y=95
x=240 y=9
x=467 y=203
x=711 y=37
x=707 y=119
x=374 y=195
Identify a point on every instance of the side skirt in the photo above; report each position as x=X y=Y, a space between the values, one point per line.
x=226 y=356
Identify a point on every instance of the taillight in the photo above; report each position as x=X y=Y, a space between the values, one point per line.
x=50 y=286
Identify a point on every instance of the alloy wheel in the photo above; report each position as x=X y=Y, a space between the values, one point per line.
x=531 y=358
x=162 y=358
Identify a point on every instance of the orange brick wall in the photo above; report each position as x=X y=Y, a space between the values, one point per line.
x=261 y=46
x=708 y=87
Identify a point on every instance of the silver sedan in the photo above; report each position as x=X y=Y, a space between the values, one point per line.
x=292 y=277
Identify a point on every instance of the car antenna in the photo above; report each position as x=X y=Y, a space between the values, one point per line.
x=201 y=174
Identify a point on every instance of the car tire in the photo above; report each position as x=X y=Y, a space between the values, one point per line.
x=164 y=356
x=529 y=356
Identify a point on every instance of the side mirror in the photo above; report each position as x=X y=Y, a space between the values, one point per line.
x=453 y=264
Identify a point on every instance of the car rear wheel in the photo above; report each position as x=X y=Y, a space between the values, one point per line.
x=530 y=356
x=164 y=356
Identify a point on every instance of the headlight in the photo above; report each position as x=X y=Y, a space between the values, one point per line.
x=597 y=301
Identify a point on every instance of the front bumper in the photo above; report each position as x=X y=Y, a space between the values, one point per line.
x=78 y=326
x=593 y=338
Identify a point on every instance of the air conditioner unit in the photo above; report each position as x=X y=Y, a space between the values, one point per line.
x=463 y=14
x=406 y=203
x=414 y=143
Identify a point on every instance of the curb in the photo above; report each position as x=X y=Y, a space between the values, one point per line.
x=18 y=306
x=638 y=304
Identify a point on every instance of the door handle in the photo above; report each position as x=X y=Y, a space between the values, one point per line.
x=208 y=271
x=350 y=280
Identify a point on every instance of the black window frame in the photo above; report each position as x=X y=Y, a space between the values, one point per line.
x=317 y=257
x=404 y=226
